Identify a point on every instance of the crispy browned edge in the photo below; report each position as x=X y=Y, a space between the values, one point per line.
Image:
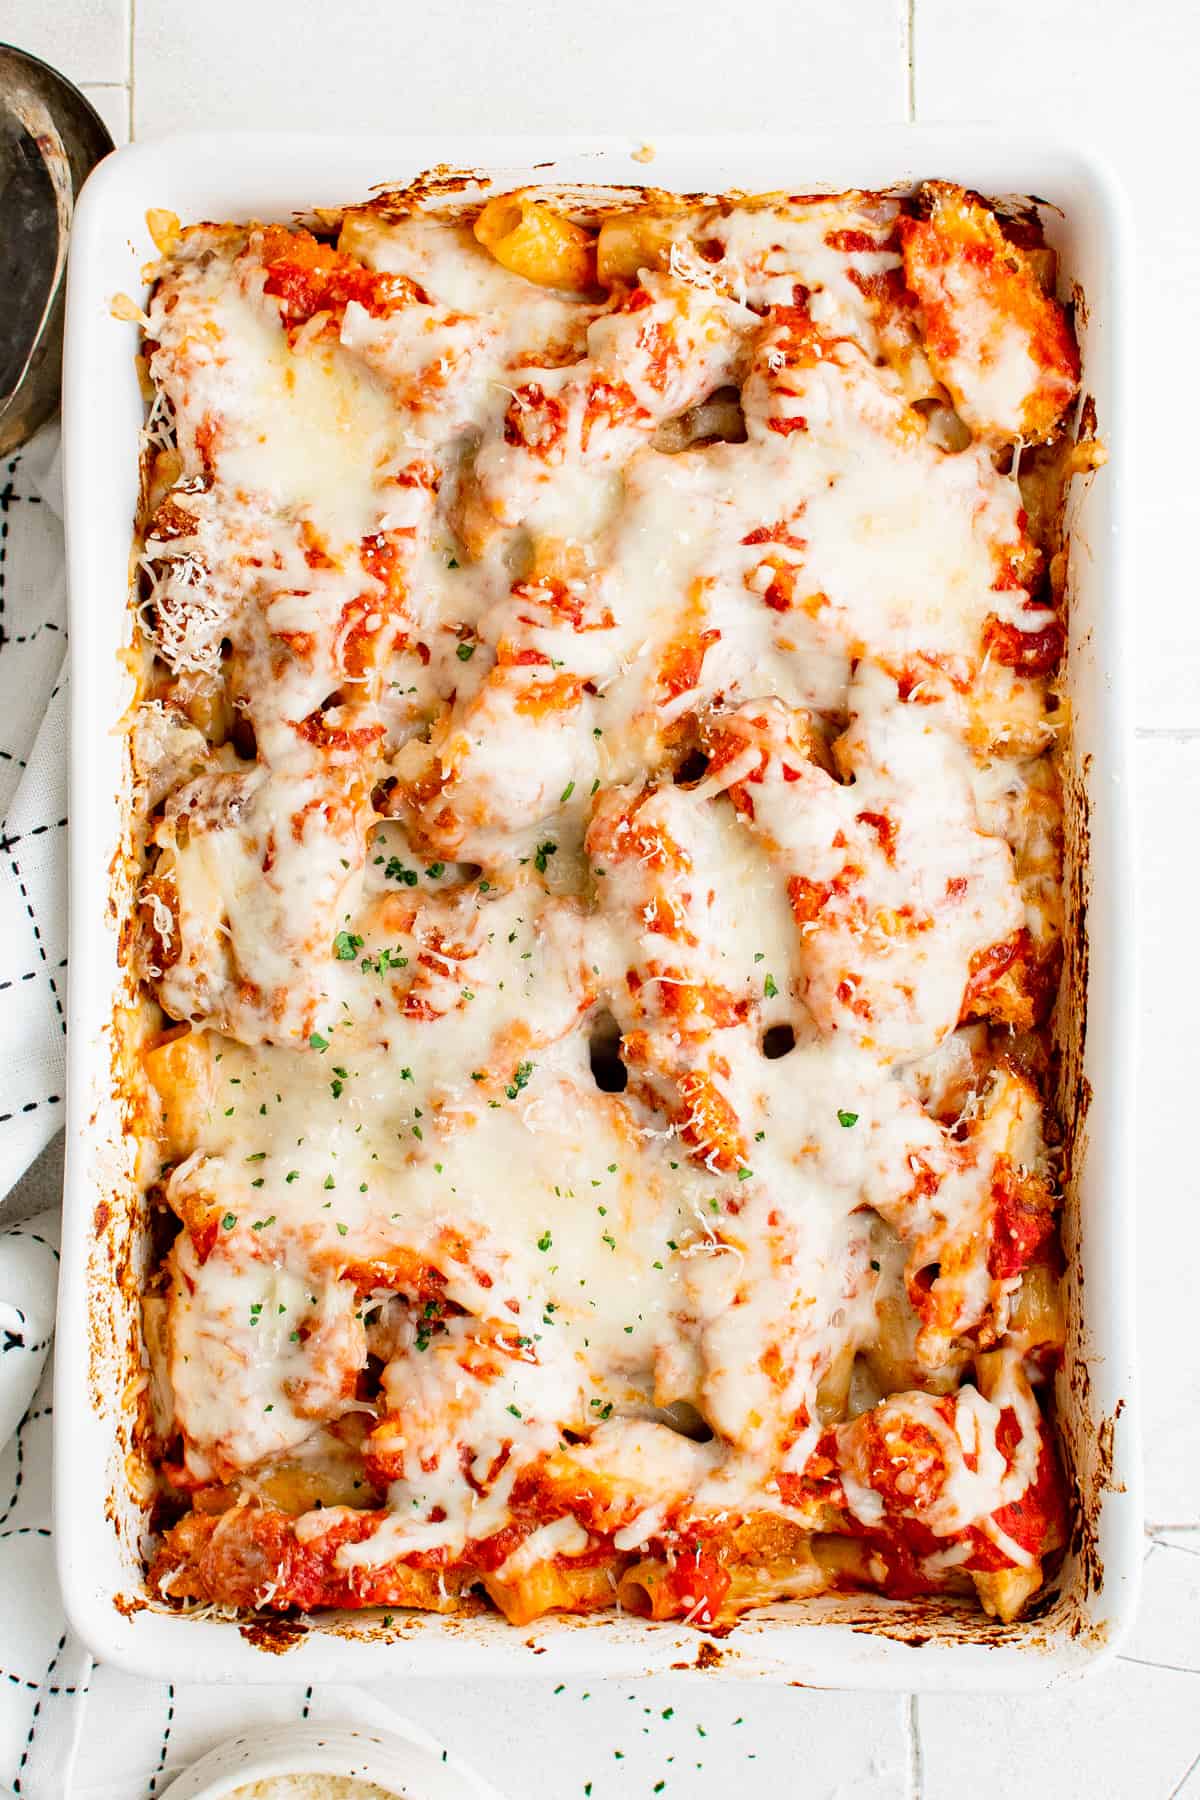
x=117 y=1250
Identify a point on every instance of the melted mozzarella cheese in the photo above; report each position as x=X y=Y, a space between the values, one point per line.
x=510 y=1033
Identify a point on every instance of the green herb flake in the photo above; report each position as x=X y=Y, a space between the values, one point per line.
x=545 y=1241
x=521 y=1078
x=346 y=945
x=847 y=1119
x=317 y=1042
x=228 y=1222
x=769 y=988
x=464 y=652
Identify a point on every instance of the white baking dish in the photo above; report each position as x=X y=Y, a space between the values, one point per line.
x=833 y=1641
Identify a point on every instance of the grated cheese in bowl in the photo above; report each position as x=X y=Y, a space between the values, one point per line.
x=313 y=1787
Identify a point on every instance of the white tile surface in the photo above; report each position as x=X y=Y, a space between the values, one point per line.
x=1127 y=80
x=752 y=1736
x=1129 y=1733
x=667 y=65
x=87 y=39
x=1167 y=1633
x=111 y=101
x=1168 y=1180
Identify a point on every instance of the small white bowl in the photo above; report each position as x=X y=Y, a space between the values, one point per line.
x=399 y=1765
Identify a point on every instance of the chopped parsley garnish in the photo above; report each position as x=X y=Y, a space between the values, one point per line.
x=566 y=793
x=769 y=988
x=435 y=871
x=521 y=1075
x=745 y=1174
x=261 y=1224
x=229 y=1221
x=346 y=945
x=515 y=1411
x=847 y=1119
x=464 y=652
x=396 y=871
x=328 y=1182
x=543 y=854
x=545 y=1241
x=387 y=959
x=317 y=1042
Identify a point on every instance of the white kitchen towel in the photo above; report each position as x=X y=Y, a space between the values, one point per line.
x=33 y=763
x=43 y=1671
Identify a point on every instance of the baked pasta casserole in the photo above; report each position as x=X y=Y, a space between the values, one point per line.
x=601 y=901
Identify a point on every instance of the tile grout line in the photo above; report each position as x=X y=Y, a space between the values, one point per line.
x=129 y=64
x=909 y=38
x=911 y=1726
x=1187 y=1775
x=1179 y=734
x=1147 y=1662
